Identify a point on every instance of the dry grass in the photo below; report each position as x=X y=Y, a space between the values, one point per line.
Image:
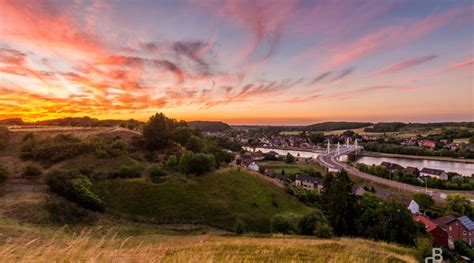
x=32 y=244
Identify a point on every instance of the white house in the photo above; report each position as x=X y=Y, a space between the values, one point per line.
x=308 y=182
x=253 y=166
x=414 y=207
x=434 y=173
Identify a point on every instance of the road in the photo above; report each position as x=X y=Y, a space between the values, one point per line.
x=330 y=160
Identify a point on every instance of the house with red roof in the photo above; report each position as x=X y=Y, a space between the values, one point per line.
x=440 y=236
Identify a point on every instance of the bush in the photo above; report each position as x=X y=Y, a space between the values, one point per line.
x=315 y=224
x=239 y=227
x=32 y=170
x=75 y=187
x=127 y=171
x=424 y=200
x=290 y=158
x=172 y=162
x=196 y=163
x=463 y=249
x=62 y=212
x=84 y=195
x=3 y=174
x=285 y=223
x=4 y=136
x=155 y=172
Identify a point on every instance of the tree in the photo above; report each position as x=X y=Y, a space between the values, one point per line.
x=339 y=203
x=195 y=144
x=348 y=133
x=196 y=163
x=290 y=158
x=385 y=220
x=315 y=224
x=471 y=140
x=317 y=137
x=423 y=200
x=156 y=131
x=285 y=223
x=459 y=205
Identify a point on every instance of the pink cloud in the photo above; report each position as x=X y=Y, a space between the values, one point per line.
x=405 y=64
x=389 y=36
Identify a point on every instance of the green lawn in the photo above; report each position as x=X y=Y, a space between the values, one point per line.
x=290 y=169
x=218 y=199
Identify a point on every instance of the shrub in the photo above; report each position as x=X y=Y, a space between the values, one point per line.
x=424 y=200
x=3 y=174
x=463 y=249
x=172 y=162
x=196 y=163
x=285 y=223
x=127 y=171
x=315 y=223
x=290 y=158
x=75 y=187
x=84 y=195
x=32 y=170
x=62 y=212
x=4 y=136
x=155 y=172
x=239 y=227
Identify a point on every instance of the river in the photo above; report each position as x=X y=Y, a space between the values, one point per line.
x=466 y=169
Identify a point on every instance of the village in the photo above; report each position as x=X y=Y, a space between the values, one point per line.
x=444 y=230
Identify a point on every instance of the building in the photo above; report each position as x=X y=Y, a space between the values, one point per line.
x=246 y=159
x=466 y=230
x=412 y=170
x=434 y=173
x=358 y=190
x=309 y=182
x=440 y=236
x=414 y=207
x=391 y=166
x=258 y=155
x=461 y=228
x=253 y=167
x=427 y=143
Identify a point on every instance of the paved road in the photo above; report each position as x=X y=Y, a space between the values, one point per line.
x=332 y=163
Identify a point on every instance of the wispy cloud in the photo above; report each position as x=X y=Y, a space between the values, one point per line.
x=405 y=64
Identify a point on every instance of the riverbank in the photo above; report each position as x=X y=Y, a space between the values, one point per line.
x=419 y=157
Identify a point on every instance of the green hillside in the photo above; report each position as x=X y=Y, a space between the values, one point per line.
x=220 y=199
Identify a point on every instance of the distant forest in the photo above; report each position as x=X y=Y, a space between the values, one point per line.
x=401 y=126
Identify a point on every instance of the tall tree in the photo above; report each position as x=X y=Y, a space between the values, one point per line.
x=339 y=203
x=156 y=132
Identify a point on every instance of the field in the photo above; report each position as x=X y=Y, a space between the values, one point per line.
x=219 y=199
x=27 y=243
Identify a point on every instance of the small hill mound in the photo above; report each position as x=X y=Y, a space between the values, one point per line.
x=209 y=126
x=219 y=199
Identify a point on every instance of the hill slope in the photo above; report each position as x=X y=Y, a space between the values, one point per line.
x=219 y=199
x=27 y=243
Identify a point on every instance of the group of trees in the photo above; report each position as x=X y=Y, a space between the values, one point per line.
x=203 y=154
x=454 y=182
x=345 y=214
x=314 y=223
x=66 y=146
x=416 y=150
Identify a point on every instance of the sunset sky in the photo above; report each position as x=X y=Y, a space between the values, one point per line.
x=243 y=62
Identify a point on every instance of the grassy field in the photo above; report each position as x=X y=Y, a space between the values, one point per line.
x=27 y=243
x=219 y=199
